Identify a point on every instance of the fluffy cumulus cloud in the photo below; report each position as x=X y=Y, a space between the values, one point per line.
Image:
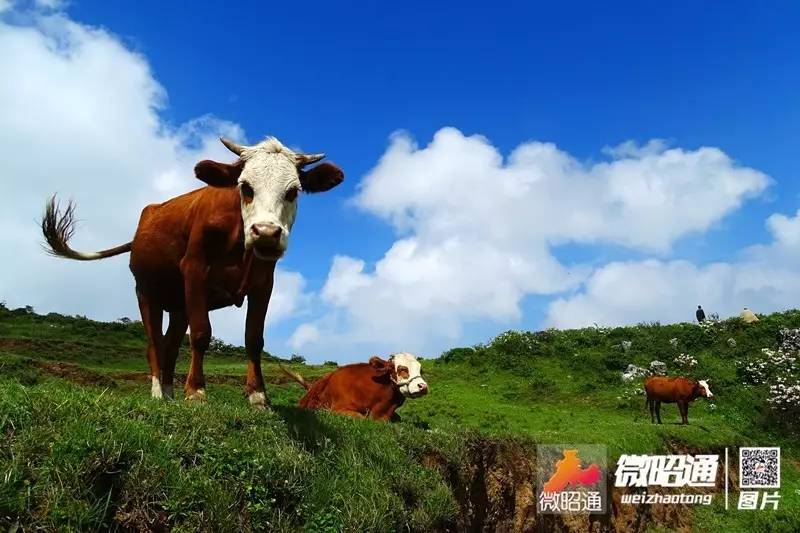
x=476 y=230
x=81 y=117
x=765 y=278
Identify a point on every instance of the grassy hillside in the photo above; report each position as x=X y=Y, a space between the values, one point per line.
x=84 y=448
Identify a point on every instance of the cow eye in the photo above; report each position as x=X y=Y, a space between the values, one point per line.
x=291 y=194
x=247 y=192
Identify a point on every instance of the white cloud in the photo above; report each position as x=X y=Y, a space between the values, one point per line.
x=303 y=335
x=82 y=118
x=475 y=231
x=765 y=279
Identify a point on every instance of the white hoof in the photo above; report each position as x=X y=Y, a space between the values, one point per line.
x=258 y=400
x=197 y=396
x=155 y=389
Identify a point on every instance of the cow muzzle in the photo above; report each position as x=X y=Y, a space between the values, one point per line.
x=413 y=387
x=268 y=241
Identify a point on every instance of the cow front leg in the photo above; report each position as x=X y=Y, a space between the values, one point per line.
x=684 y=408
x=658 y=411
x=257 y=303
x=152 y=316
x=194 y=273
x=382 y=412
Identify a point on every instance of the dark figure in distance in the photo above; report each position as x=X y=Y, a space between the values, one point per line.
x=700 y=314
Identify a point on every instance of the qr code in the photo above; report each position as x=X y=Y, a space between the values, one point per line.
x=759 y=468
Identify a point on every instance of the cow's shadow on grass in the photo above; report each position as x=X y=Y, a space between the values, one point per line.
x=309 y=428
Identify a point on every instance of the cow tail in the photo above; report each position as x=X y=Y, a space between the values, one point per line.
x=295 y=376
x=58 y=228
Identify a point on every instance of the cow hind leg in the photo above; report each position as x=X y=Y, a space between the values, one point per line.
x=658 y=411
x=172 y=345
x=652 y=406
x=684 y=408
x=152 y=317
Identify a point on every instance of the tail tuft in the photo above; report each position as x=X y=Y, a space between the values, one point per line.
x=295 y=376
x=58 y=228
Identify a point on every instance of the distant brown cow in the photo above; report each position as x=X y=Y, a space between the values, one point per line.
x=366 y=390
x=674 y=390
x=208 y=249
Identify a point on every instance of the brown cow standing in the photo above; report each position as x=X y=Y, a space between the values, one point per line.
x=678 y=390
x=208 y=249
x=366 y=390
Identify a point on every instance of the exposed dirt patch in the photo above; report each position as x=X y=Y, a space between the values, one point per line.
x=84 y=376
x=493 y=485
x=57 y=348
x=75 y=373
x=217 y=379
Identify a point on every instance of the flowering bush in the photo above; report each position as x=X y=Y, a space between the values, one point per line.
x=770 y=365
x=710 y=325
x=789 y=339
x=784 y=396
x=779 y=371
x=685 y=360
x=630 y=397
x=523 y=344
x=674 y=343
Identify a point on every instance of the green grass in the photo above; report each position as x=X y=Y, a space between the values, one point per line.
x=99 y=454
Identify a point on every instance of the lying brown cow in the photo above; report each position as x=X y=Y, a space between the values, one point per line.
x=207 y=249
x=366 y=390
x=674 y=390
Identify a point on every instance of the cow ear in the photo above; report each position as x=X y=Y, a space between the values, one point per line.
x=321 y=178
x=377 y=363
x=385 y=369
x=218 y=174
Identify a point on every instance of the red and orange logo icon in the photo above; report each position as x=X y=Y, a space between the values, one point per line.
x=569 y=473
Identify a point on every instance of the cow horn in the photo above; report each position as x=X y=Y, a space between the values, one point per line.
x=307 y=159
x=232 y=146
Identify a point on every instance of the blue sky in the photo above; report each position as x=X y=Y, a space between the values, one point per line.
x=343 y=77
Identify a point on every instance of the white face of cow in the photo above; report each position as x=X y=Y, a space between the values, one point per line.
x=269 y=178
x=269 y=185
x=409 y=376
x=706 y=391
